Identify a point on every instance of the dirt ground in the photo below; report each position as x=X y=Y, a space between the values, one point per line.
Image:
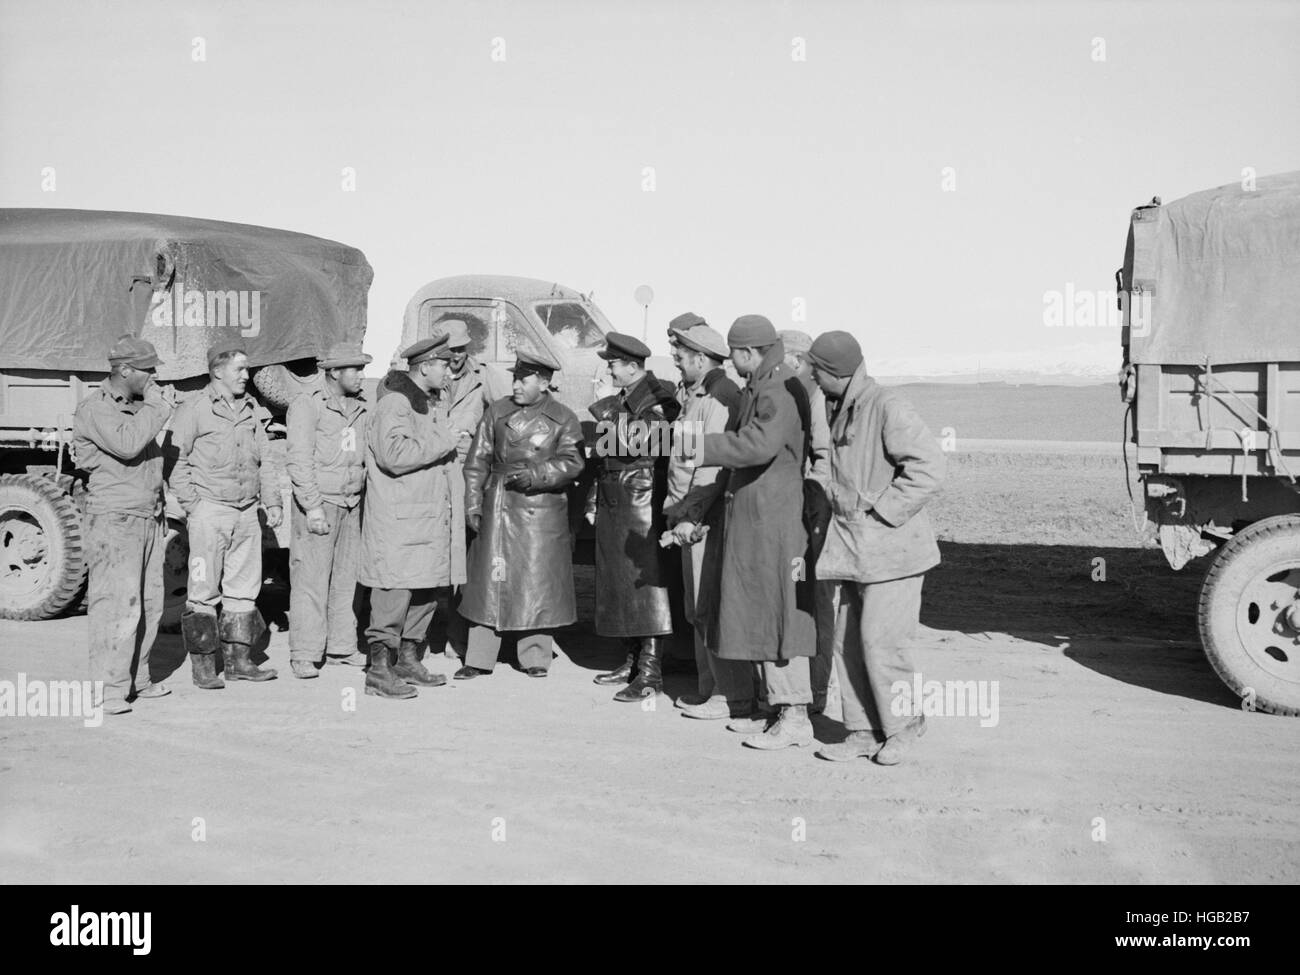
x=1110 y=720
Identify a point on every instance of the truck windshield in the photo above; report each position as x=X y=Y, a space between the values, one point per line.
x=570 y=325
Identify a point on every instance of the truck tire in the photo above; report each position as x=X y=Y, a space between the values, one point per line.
x=1249 y=615
x=42 y=558
x=279 y=385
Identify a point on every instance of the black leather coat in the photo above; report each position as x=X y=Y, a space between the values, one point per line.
x=632 y=571
x=521 y=563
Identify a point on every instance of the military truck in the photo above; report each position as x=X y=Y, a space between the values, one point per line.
x=1209 y=294
x=71 y=283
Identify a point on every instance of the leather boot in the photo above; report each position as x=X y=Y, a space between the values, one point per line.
x=649 y=679
x=791 y=728
x=239 y=631
x=199 y=631
x=410 y=669
x=623 y=674
x=380 y=679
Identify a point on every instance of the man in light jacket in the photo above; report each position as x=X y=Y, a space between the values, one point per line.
x=219 y=436
x=885 y=467
x=326 y=461
x=413 y=523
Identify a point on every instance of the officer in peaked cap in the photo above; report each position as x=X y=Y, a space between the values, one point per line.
x=114 y=435
x=624 y=347
x=526 y=454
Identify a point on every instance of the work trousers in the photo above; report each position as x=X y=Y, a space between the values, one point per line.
x=225 y=558
x=874 y=625
x=323 y=584
x=124 y=598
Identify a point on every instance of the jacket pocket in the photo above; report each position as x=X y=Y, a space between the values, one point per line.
x=416 y=521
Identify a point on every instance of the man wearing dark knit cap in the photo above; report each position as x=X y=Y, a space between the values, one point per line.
x=816 y=475
x=626 y=507
x=765 y=606
x=885 y=466
x=115 y=432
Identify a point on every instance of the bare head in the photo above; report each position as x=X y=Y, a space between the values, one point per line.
x=228 y=371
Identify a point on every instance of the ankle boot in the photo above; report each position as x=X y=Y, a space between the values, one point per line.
x=623 y=674
x=239 y=631
x=649 y=679
x=410 y=669
x=380 y=679
x=199 y=631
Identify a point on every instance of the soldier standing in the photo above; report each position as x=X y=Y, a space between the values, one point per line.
x=885 y=466
x=764 y=604
x=626 y=506
x=114 y=433
x=326 y=461
x=413 y=526
x=527 y=452
x=693 y=513
x=471 y=387
x=219 y=475
x=816 y=474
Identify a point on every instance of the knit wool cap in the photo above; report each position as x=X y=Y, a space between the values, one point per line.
x=837 y=353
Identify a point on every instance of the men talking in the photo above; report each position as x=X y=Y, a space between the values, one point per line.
x=885 y=466
x=526 y=453
x=220 y=438
x=114 y=431
x=413 y=526
x=326 y=462
x=626 y=506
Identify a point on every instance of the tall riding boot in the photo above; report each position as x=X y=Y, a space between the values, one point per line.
x=239 y=631
x=199 y=631
x=624 y=673
x=380 y=679
x=410 y=668
x=649 y=679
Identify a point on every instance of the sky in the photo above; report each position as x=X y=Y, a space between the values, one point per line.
x=919 y=174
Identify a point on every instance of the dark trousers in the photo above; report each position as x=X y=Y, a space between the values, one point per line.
x=448 y=626
x=534 y=647
x=402 y=614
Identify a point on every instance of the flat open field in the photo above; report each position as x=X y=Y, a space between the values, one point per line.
x=1110 y=721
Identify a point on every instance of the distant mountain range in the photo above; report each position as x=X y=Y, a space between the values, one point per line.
x=1071 y=365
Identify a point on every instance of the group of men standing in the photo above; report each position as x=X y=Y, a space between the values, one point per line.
x=797 y=505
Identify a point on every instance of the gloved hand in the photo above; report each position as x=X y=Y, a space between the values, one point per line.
x=473 y=520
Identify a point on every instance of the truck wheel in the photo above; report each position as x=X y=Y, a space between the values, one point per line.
x=176 y=575
x=1249 y=615
x=279 y=385
x=42 y=559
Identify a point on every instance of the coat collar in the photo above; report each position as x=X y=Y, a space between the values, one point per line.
x=861 y=387
x=771 y=363
x=646 y=392
x=400 y=383
x=239 y=403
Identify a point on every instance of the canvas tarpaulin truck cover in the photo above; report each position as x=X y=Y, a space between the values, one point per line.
x=1225 y=266
x=73 y=281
